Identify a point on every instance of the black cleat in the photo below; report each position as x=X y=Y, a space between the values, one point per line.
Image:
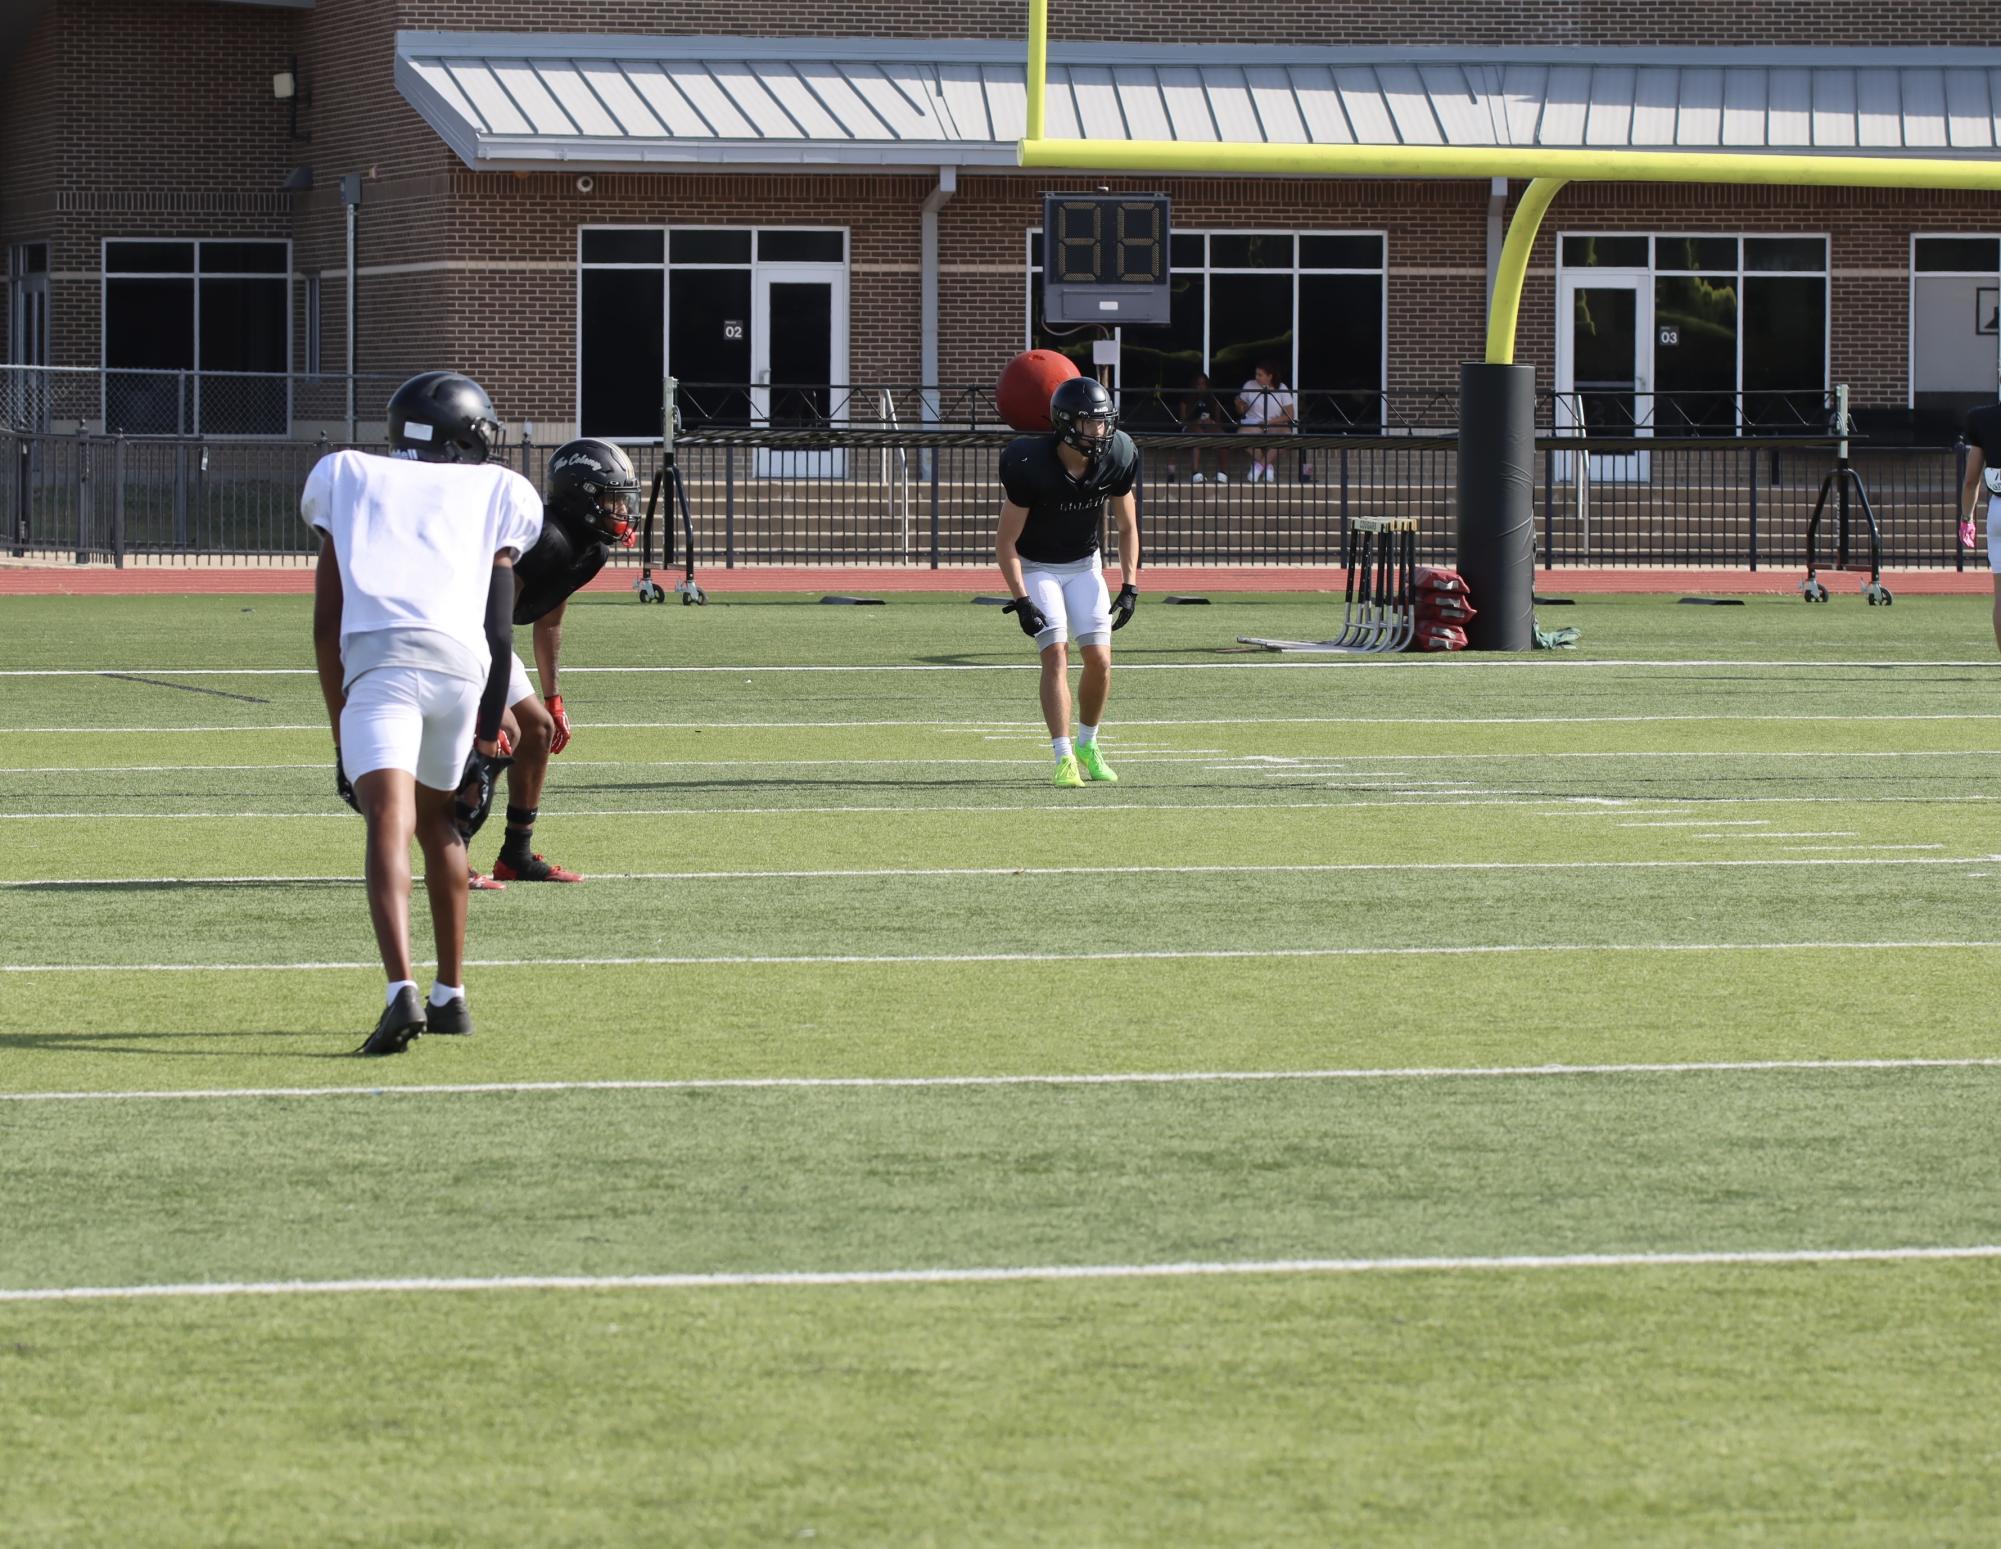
x=401 y=1021
x=451 y=1018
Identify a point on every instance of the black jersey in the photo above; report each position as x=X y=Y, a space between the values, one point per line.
x=1983 y=429
x=1064 y=512
x=560 y=564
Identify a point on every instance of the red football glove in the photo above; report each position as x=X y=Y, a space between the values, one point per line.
x=556 y=709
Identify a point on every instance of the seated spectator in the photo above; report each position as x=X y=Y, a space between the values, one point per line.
x=1267 y=407
x=1201 y=413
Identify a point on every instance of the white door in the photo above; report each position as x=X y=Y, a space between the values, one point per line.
x=799 y=361
x=1604 y=359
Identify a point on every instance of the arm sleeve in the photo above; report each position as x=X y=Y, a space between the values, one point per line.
x=500 y=639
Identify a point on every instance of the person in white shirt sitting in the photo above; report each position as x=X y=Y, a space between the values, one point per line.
x=413 y=603
x=1266 y=407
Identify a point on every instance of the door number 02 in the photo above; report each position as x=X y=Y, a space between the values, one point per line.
x=732 y=329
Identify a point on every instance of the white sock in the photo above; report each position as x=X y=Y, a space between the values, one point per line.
x=443 y=994
x=1086 y=735
x=1061 y=745
x=397 y=987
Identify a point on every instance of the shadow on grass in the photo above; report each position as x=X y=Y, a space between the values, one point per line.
x=186 y=884
x=150 y=1044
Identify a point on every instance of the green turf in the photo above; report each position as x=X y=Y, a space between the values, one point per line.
x=1754 y=834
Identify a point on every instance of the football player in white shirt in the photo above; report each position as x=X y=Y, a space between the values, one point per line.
x=413 y=604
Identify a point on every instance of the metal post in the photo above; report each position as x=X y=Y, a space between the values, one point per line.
x=350 y=195
x=180 y=496
x=1841 y=466
x=118 y=503
x=1548 y=509
x=934 y=507
x=80 y=484
x=729 y=508
x=1344 y=501
x=23 y=489
x=1751 y=463
x=1958 y=484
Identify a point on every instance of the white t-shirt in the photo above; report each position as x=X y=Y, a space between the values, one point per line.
x=416 y=543
x=1264 y=405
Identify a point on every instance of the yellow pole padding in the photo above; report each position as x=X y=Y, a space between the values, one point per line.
x=1038 y=65
x=1506 y=305
x=1199 y=157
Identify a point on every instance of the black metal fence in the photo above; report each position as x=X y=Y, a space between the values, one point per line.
x=894 y=496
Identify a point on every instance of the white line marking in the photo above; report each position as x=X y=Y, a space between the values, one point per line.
x=1373 y=766
x=802 y=1279
x=1086 y=807
x=1694 y=863
x=1831 y=833
x=920 y=959
x=1705 y=823
x=1029 y=728
x=1113 y=1078
x=1419 y=663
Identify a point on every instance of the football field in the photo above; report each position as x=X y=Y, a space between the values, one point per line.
x=1453 y=1101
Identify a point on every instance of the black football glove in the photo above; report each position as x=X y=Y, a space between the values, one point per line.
x=343 y=786
x=1028 y=615
x=474 y=799
x=1123 y=605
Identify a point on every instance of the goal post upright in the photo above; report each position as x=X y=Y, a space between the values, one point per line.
x=1508 y=546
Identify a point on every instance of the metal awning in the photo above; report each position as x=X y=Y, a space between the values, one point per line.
x=608 y=102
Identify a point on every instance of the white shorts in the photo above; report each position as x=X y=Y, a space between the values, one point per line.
x=517 y=682
x=411 y=719
x=1074 y=601
x=1993 y=535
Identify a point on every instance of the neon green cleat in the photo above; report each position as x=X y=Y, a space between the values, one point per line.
x=1092 y=762
x=1067 y=772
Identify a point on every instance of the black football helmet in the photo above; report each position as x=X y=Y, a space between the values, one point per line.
x=592 y=489
x=1077 y=401
x=442 y=417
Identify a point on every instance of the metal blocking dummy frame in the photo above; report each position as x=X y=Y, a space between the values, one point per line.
x=1381 y=609
x=667 y=475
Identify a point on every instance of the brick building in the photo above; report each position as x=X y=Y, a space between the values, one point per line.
x=569 y=199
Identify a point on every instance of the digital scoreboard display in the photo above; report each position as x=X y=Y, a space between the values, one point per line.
x=1104 y=258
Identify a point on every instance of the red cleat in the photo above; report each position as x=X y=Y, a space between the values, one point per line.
x=537 y=870
x=476 y=882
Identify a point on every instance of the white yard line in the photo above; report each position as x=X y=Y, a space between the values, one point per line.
x=1705 y=823
x=892 y=873
x=1029 y=728
x=1110 y=1078
x=1082 y=806
x=1272 y=766
x=921 y=959
x=806 y=1279
x=1421 y=663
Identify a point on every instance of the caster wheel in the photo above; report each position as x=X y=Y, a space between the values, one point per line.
x=659 y=595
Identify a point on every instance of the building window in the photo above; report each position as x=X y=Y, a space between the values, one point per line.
x=1955 y=330
x=1734 y=327
x=197 y=337
x=751 y=322
x=1312 y=302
